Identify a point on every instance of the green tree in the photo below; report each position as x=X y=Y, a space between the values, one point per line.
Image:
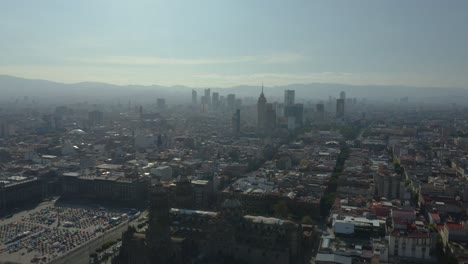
x=326 y=203
x=307 y=220
x=333 y=184
x=444 y=255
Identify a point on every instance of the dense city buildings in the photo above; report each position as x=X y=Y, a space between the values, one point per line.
x=136 y=133
x=176 y=235
x=95 y=117
x=231 y=178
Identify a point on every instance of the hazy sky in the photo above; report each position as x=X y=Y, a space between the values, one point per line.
x=227 y=43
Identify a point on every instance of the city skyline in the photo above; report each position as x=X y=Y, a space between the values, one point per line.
x=235 y=132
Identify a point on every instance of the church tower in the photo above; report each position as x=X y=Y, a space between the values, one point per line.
x=158 y=234
x=261 y=112
x=184 y=193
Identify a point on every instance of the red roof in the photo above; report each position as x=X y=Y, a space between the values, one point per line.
x=382 y=211
x=435 y=216
x=419 y=234
x=427 y=199
x=455 y=226
x=400 y=220
x=404 y=212
x=410 y=234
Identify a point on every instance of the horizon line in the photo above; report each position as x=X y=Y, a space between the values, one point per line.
x=229 y=87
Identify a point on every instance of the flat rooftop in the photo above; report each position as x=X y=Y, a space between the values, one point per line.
x=50 y=231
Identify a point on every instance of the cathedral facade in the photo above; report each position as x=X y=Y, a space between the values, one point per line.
x=191 y=236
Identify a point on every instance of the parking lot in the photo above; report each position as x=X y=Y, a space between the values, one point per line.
x=52 y=230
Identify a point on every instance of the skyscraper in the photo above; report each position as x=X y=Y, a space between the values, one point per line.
x=215 y=101
x=289 y=97
x=236 y=122
x=238 y=103
x=296 y=112
x=222 y=101
x=161 y=103
x=231 y=100
x=208 y=96
x=343 y=95
x=320 y=111
x=204 y=103
x=293 y=111
x=280 y=110
x=270 y=118
x=261 y=112
x=340 y=108
x=194 y=97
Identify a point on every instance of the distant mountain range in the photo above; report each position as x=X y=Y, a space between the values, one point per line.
x=14 y=87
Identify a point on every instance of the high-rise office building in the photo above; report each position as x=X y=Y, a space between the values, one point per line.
x=208 y=96
x=161 y=103
x=194 y=97
x=222 y=101
x=289 y=96
x=238 y=103
x=320 y=111
x=231 y=101
x=296 y=112
x=204 y=103
x=261 y=112
x=215 y=101
x=279 y=110
x=236 y=122
x=340 y=108
x=342 y=95
x=270 y=122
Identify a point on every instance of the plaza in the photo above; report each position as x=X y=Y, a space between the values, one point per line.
x=52 y=230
